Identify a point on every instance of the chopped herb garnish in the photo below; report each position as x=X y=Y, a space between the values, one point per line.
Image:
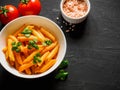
x=61 y=75
x=27 y=32
x=33 y=43
x=15 y=46
x=36 y=58
x=29 y=47
x=38 y=55
x=27 y=35
x=47 y=42
x=17 y=50
x=13 y=43
x=64 y=64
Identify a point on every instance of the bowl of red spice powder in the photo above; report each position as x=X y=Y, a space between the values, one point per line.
x=75 y=11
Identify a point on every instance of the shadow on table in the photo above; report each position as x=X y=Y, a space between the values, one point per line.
x=75 y=31
x=9 y=81
x=1 y=26
x=79 y=30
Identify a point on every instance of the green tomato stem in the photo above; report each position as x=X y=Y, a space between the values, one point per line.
x=24 y=1
x=3 y=10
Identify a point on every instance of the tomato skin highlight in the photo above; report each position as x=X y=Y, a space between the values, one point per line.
x=32 y=7
x=10 y=15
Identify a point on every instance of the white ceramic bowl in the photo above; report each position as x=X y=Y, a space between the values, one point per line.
x=37 y=20
x=71 y=19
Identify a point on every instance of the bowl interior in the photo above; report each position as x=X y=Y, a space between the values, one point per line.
x=40 y=21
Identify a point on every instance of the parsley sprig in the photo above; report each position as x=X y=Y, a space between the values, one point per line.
x=64 y=64
x=36 y=58
x=47 y=42
x=27 y=32
x=33 y=43
x=62 y=74
x=15 y=46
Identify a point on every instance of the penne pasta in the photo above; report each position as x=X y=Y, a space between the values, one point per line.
x=49 y=48
x=24 y=39
x=38 y=35
x=43 y=58
x=13 y=38
x=47 y=66
x=53 y=53
x=18 y=58
x=47 y=34
x=25 y=66
x=10 y=52
x=30 y=57
x=19 y=30
x=31 y=49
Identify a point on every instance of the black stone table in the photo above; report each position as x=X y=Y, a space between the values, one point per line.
x=93 y=50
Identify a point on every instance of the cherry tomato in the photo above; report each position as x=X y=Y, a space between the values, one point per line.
x=29 y=7
x=8 y=13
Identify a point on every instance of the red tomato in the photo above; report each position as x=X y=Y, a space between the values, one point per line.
x=8 y=13
x=29 y=7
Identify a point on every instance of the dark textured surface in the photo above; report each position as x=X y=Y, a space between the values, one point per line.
x=93 y=50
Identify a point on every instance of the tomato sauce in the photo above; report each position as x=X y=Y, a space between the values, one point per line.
x=75 y=8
